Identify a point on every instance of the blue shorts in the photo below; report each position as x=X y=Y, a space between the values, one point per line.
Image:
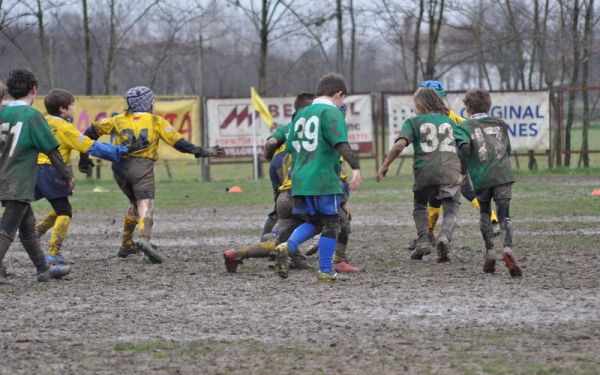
x=50 y=184
x=314 y=205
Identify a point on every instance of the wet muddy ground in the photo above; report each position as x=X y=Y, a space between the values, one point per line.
x=397 y=316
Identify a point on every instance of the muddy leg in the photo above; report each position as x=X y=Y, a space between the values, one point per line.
x=485 y=225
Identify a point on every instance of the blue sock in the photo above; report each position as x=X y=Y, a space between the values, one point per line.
x=301 y=234
x=326 y=250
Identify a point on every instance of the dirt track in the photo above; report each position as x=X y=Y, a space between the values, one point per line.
x=397 y=316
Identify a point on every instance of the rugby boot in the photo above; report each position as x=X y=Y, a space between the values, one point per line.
x=489 y=263
x=124 y=252
x=345 y=267
x=232 y=261
x=57 y=259
x=313 y=249
x=327 y=277
x=53 y=272
x=282 y=265
x=298 y=262
x=442 y=249
x=412 y=245
x=423 y=248
x=149 y=250
x=511 y=262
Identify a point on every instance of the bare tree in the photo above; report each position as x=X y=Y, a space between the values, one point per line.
x=576 y=42
x=587 y=41
x=435 y=13
x=89 y=58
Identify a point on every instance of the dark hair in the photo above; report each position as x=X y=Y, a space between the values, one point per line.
x=428 y=101
x=477 y=101
x=303 y=100
x=57 y=99
x=331 y=84
x=20 y=82
x=2 y=90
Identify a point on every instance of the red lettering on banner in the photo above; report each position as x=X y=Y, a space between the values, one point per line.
x=170 y=117
x=186 y=126
x=288 y=110
x=274 y=109
x=239 y=118
x=83 y=122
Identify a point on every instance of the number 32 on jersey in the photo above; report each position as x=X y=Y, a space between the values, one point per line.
x=437 y=138
x=307 y=132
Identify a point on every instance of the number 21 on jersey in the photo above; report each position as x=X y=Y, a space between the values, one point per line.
x=307 y=132
x=430 y=141
x=5 y=132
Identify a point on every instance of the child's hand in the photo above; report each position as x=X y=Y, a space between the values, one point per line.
x=381 y=173
x=356 y=179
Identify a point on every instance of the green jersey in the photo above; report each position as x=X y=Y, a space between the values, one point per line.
x=311 y=142
x=281 y=133
x=489 y=163
x=24 y=133
x=436 y=159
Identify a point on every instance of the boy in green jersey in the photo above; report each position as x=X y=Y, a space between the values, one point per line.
x=483 y=141
x=317 y=139
x=438 y=171
x=24 y=133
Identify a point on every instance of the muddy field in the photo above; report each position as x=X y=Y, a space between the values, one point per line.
x=397 y=316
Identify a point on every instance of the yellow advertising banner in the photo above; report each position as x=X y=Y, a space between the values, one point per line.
x=182 y=112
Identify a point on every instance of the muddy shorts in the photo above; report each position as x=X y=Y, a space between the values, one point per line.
x=503 y=191
x=425 y=194
x=50 y=184
x=135 y=177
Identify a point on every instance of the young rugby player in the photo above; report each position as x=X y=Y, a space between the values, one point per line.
x=318 y=137
x=135 y=172
x=60 y=105
x=484 y=141
x=437 y=169
x=23 y=135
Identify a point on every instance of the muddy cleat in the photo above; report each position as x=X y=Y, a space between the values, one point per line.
x=345 y=267
x=282 y=265
x=298 y=262
x=231 y=260
x=149 y=251
x=312 y=250
x=511 y=262
x=53 y=272
x=124 y=252
x=3 y=275
x=442 y=249
x=423 y=248
x=489 y=263
x=412 y=245
x=57 y=259
x=496 y=229
x=327 y=277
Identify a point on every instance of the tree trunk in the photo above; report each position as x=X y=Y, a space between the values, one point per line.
x=416 y=45
x=352 y=44
x=435 y=25
x=587 y=41
x=339 y=66
x=264 y=45
x=89 y=59
x=44 y=46
x=112 y=49
x=573 y=83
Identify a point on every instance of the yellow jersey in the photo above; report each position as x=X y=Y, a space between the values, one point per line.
x=455 y=117
x=128 y=126
x=69 y=138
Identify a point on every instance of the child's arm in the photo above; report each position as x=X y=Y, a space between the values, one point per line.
x=391 y=156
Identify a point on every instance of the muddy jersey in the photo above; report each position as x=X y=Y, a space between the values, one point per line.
x=435 y=158
x=311 y=142
x=281 y=133
x=129 y=126
x=69 y=138
x=23 y=135
x=489 y=163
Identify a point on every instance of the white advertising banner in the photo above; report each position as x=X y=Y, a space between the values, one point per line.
x=527 y=114
x=230 y=123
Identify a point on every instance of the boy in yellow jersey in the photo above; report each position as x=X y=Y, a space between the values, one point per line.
x=434 y=207
x=135 y=173
x=60 y=105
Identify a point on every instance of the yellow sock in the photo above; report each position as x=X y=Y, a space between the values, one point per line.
x=434 y=215
x=129 y=223
x=45 y=224
x=59 y=233
x=475 y=203
x=493 y=217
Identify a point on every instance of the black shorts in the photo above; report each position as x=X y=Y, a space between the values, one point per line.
x=503 y=191
x=50 y=184
x=135 y=177
x=436 y=193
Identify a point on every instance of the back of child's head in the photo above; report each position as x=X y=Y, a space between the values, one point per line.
x=477 y=101
x=20 y=82
x=331 y=84
x=428 y=101
x=303 y=100
x=57 y=99
x=139 y=99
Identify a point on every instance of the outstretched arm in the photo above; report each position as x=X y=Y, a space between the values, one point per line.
x=391 y=156
x=271 y=146
x=189 y=148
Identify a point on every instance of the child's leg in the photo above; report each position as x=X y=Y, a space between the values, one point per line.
x=45 y=224
x=14 y=212
x=29 y=240
x=327 y=242
x=63 y=211
x=145 y=208
x=130 y=221
x=420 y=215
